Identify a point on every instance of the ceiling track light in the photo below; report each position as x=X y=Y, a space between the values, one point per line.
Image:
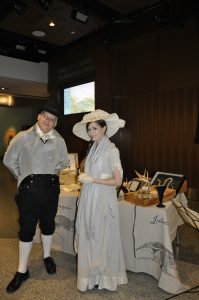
x=42 y=51
x=79 y=15
x=175 y=21
x=19 y=7
x=2 y=88
x=20 y=47
x=45 y=4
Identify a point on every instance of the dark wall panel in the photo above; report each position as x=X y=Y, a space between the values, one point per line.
x=153 y=83
x=160 y=134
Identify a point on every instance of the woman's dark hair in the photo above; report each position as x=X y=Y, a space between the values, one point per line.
x=101 y=123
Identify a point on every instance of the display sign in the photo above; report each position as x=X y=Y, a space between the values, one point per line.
x=134 y=185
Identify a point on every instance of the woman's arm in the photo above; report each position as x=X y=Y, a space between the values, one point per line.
x=115 y=181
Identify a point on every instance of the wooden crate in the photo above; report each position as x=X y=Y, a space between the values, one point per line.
x=68 y=177
x=131 y=197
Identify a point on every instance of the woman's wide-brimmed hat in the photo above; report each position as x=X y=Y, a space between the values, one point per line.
x=113 y=123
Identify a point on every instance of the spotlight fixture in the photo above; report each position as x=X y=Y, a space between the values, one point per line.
x=2 y=88
x=42 y=51
x=20 y=47
x=45 y=4
x=79 y=15
x=170 y=21
x=52 y=24
x=19 y=7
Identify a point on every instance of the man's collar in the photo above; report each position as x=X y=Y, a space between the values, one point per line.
x=42 y=135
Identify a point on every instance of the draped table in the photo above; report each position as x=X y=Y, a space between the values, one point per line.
x=65 y=222
x=147 y=234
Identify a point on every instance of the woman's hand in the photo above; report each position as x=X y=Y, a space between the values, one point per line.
x=84 y=178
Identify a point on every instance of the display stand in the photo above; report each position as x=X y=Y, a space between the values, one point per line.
x=192 y=218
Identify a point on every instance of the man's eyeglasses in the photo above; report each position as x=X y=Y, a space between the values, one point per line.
x=49 y=118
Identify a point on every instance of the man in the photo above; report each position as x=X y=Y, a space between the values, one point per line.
x=35 y=157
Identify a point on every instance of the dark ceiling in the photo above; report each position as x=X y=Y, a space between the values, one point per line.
x=116 y=20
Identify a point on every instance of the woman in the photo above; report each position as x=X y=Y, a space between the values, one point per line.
x=97 y=238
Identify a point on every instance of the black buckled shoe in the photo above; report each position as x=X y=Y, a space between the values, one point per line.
x=50 y=265
x=16 y=282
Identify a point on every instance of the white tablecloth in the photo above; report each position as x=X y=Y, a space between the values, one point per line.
x=147 y=234
x=65 y=218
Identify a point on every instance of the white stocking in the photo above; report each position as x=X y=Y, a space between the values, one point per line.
x=46 y=241
x=24 y=251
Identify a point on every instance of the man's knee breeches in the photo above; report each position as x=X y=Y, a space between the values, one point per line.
x=37 y=201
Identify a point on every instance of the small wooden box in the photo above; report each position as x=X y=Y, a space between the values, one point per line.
x=68 y=178
x=131 y=197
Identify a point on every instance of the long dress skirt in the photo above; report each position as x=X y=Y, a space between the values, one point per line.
x=97 y=239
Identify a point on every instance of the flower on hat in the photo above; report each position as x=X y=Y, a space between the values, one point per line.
x=112 y=121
